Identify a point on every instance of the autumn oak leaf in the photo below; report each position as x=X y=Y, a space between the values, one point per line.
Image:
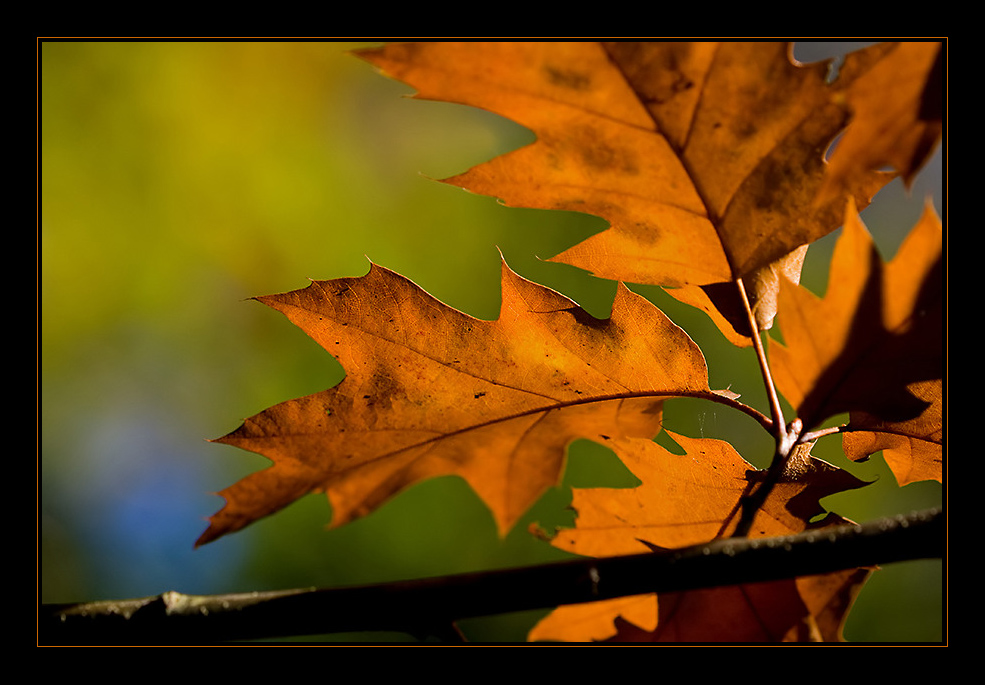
x=808 y=609
x=689 y=499
x=914 y=449
x=897 y=116
x=705 y=158
x=875 y=335
x=430 y=391
x=693 y=498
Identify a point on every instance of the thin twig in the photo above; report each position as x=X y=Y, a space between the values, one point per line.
x=429 y=606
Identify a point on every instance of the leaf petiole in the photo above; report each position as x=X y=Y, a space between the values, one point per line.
x=787 y=437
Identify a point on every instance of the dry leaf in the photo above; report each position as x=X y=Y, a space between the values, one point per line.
x=430 y=391
x=690 y=499
x=705 y=158
x=897 y=116
x=878 y=329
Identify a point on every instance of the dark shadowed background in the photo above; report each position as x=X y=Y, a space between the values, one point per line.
x=180 y=179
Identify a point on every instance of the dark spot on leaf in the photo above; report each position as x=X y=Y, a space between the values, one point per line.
x=607 y=158
x=586 y=319
x=567 y=78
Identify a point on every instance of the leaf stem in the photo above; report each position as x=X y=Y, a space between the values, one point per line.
x=753 y=501
x=821 y=432
x=779 y=425
x=786 y=437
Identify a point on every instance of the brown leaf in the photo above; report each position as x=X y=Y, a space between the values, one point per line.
x=691 y=499
x=430 y=391
x=759 y=612
x=705 y=158
x=913 y=449
x=897 y=116
x=722 y=302
x=878 y=329
x=828 y=599
x=595 y=621
x=809 y=609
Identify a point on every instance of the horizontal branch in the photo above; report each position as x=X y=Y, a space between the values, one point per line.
x=431 y=605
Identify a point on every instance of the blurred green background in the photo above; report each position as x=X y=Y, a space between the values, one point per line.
x=179 y=179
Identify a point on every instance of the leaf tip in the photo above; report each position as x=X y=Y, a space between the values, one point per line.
x=210 y=534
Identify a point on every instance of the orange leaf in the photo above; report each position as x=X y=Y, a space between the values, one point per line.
x=686 y=500
x=692 y=498
x=705 y=158
x=829 y=599
x=722 y=302
x=810 y=609
x=878 y=329
x=912 y=449
x=897 y=116
x=430 y=391
x=594 y=621
x=759 y=612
